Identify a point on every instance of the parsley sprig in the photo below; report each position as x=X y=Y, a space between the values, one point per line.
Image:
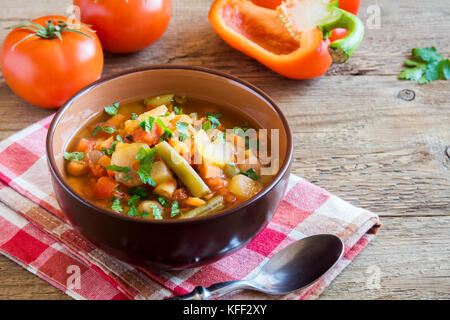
x=74 y=156
x=110 y=151
x=163 y=201
x=116 y=205
x=178 y=111
x=147 y=125
x=118 y=168
x=251 y=173
x=139 y=191
x=146 y=158
x=174 y=210
x=183 y=130
x=112 y=109
x=426 y=65
x=212 y=121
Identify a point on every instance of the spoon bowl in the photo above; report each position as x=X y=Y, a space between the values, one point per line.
x=299 y=264
x=295 y=267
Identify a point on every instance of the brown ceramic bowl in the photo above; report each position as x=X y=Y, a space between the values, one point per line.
x=173 y=244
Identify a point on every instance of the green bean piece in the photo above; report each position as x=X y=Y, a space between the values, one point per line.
x=181 y=99
x=182 y=169
x=157 y=101
x=212 y=206
x=230 y=170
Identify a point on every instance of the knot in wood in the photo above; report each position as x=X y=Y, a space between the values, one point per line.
x=406 y=94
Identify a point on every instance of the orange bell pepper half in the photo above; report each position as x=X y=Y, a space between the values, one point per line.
x=281 y=40
x=351 y=6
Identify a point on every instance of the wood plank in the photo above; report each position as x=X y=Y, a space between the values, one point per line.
x=412 y=255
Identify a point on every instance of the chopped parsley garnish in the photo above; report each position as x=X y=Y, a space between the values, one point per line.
x=139 y=191
x=214 y=119
x=135 y=198
x=426 y=65
x=112 y=109
x=74 y=156
x=156 y=211
x=174 y=210
x=107 y=151
x=183 y=129
x=147 y=124
x=251 y=173
x=178 y=111
x=109 y=130
x=96 y=130
x=116 y=205
x=133 y=211
x=127 y=177
x=163 y=201
x=145 y=214
x=133 y=116
x=206 y=125
x=110 y=151
x=146 y=158
x=118 y=168
x=167 y=132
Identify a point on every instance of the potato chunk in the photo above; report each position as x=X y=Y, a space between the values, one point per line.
x=155 y=112
x=166 y=189
x=125 y=156
x=160 y=172
x=243 y=187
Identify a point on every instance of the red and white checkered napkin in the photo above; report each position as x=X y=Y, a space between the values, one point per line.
x=35 y=234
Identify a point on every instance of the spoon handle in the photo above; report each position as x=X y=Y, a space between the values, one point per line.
x=215 y=291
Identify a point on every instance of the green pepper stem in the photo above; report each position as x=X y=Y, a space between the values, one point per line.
x=341 y=50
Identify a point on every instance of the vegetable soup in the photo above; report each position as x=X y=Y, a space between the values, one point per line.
x=167 y=157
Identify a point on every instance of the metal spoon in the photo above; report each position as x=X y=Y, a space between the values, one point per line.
x=295 y=267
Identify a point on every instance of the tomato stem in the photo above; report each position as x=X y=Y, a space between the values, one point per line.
x=53 y=29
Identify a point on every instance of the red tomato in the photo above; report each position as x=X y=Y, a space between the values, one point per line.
x=126 y=26
x=104 y=188
x=46 y=72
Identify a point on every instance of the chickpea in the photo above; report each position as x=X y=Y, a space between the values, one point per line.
x=77 y=168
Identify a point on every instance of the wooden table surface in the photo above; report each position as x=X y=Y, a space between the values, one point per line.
x=354 y=136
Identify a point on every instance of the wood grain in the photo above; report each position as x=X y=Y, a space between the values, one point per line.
x=354 y=135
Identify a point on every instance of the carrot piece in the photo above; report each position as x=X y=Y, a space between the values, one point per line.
x=106 y=143
x=104 y=161
x=85 y=145
x=193 y=202
x=210 y=171
x=98 y=171
x=104 y=188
